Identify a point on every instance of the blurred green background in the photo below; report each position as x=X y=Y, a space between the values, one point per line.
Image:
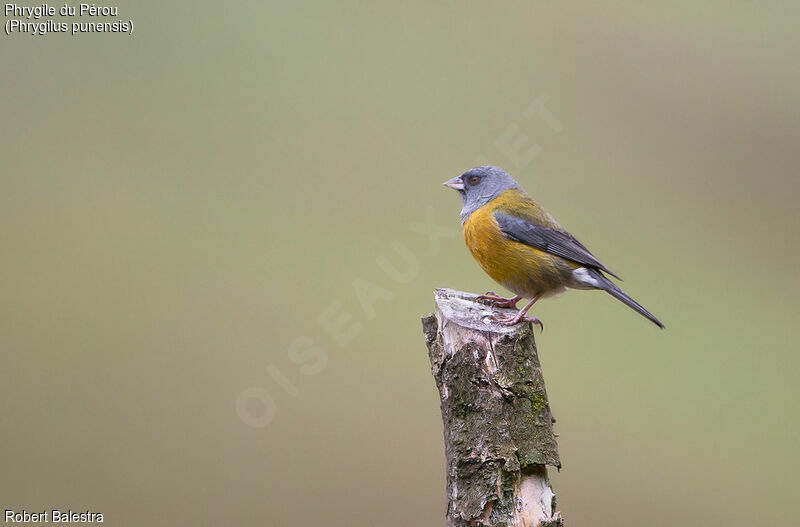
x=179 y=207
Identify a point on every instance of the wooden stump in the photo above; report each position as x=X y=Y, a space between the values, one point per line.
x=498 y=429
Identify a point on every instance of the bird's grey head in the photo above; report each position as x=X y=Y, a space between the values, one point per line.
x=480 y=185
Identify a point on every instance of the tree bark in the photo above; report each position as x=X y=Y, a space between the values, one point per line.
x=498 y=429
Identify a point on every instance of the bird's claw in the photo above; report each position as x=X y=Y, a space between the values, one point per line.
x=499 y=301
x=509 y=320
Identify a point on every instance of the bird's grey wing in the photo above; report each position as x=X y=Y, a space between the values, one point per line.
x=553 y=241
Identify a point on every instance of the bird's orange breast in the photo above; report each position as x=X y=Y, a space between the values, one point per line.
x=520 y=268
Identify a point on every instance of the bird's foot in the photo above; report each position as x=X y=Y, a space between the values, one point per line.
x=496 y=300
x=513 y=320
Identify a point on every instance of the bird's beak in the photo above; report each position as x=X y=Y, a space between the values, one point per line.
x=455 y=183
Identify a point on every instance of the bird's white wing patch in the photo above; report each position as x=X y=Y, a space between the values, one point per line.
x=581 y=276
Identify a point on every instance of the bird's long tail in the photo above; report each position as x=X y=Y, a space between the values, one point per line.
x=611 y=288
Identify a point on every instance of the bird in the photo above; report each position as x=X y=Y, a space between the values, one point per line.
x=522 y=247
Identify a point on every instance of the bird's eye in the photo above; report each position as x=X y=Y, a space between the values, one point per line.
x=474 y=180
